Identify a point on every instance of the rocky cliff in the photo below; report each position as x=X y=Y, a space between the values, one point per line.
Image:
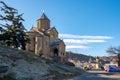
x=23 y=65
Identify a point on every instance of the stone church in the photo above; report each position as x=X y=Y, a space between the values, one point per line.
x=45 y=38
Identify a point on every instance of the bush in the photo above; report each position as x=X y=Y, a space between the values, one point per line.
x=70 y=64
x=8 y=77
x=40 y=52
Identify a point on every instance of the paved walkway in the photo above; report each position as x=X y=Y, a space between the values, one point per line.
x=97 y=75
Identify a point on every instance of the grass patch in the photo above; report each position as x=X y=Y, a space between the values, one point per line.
x=48 y=61
x=8 y=77
x=28 y=56
x=56 y=75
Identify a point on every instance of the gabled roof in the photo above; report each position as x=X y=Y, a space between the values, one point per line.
x=40 y=32
x=35 y=29
x=53 y=28
x=63 y=42
x=31 y=30
x=55 y=43
x=43 y=17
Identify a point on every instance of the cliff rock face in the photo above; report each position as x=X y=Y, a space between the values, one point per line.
x=22 y=64
x=26 y=65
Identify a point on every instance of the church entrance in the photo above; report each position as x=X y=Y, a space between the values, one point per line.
x=56 y=57
x=55 y=50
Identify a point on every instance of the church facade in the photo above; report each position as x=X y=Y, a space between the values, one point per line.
x=45 y=38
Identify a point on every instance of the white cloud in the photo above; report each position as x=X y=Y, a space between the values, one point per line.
x=84 y=37
x=82 y=41
x=68 y=47
x=75 y=41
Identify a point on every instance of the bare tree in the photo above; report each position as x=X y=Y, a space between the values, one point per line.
x=115 y=50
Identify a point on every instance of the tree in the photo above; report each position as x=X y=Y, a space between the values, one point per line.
x=115 y=50
x=14 y=30
x=40 y=52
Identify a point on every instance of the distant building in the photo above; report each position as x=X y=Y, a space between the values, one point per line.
x=45 y=39
x=98 y=63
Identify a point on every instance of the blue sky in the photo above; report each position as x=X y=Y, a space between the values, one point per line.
x=87 y=26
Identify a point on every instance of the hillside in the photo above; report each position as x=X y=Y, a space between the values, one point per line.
x=80 y=57
x=23 y=65
x=86 y=58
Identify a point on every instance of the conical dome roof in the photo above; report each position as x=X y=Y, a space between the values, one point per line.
x=43 y=17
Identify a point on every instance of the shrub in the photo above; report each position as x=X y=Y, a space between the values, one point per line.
x=40 y=52
x=70 y=64
x=8 y=77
